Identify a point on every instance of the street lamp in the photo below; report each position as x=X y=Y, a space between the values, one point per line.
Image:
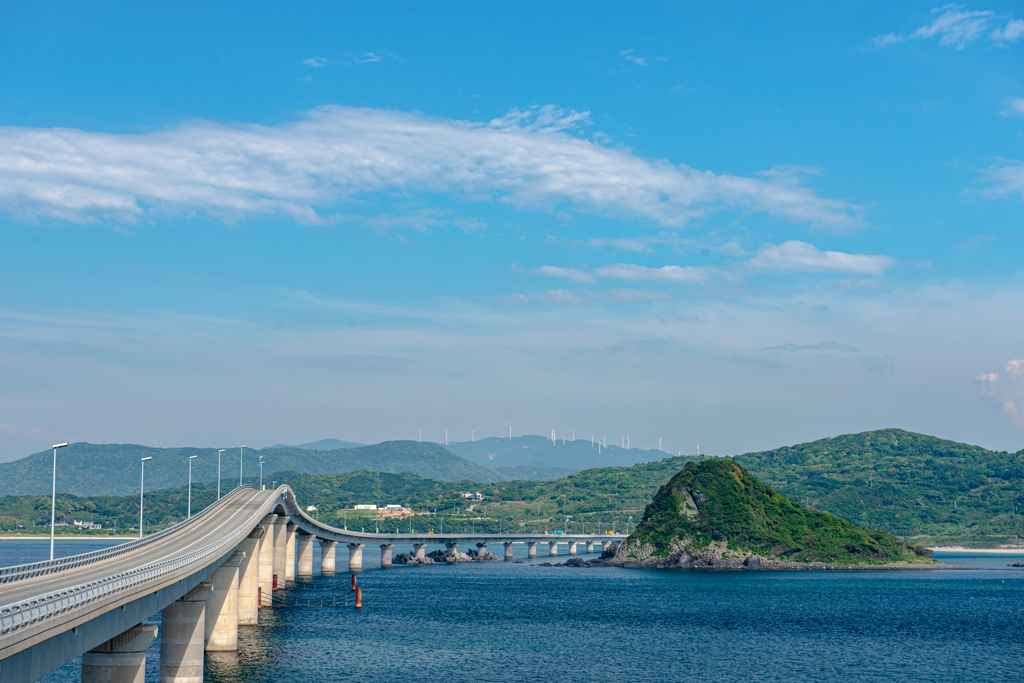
x=218 y=472
x=190 y=459
x=53 y=504
x=142 y=483
x=261 y=473
x=240 y=454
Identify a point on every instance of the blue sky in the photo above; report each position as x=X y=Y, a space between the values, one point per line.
x=740 y=226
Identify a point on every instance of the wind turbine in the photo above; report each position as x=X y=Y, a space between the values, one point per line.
x=659 y=443
x=421 y=436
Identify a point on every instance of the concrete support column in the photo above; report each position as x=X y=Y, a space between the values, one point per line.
x=181 y=639
x=221 y=633
x=553 y=545
x=421 y=550
x=327 y=552
x=249 y=579
x=590 y=546
x=355 y=556
x=481 y=548
x=572 y=548
x=280 y=535
x=532 y=545
x=289 y=552
x=508 y=549
x=385 y=554
x=306 y=555
x=266 y=580
x=450 y=549
x=122 y=659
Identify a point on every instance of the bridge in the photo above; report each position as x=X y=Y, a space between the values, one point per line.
x=207 y=575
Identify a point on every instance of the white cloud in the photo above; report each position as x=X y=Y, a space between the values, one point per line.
x=628 y=55
x=1014 y=107
x=681 y=275
x=315 y=61
x=565 y=273
x=563 y=297
x=801 y=257
x=368 y=57
x=333 y=155
x=1005 y=179
x=1005 y=389
x=957 y=27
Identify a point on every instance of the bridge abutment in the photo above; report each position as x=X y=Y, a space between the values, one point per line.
x=181 y=639
x=355 y=556
x=221 y=633
x=508 y=550
x=385 y=554
x=266 y=569
x=289 y=552
x=122 y=659
x=328 y=549
x=249 y=579
x=305 y=555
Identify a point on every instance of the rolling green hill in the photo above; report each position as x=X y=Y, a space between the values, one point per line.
x=716 y=507
x=113 y=469
x=915 y=486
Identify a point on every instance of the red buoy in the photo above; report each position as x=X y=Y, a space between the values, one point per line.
x=359 y=597
x=353 y=582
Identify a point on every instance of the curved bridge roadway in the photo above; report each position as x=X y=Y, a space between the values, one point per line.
x=208 y=575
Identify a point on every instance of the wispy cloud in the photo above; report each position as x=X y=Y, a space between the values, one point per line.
x=957 y=27
x=315 y=61
x=368 y=57
x=1005 y=389
x=679 y=275
x=882 y=364
x=563 y=297
x=333 y=155
x=820 y=346
x=636 y=59
x=802 y=257
x=1014 y=107
x=1004 y=179
x=573 y=274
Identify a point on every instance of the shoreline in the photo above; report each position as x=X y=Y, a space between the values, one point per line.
x=981 y=551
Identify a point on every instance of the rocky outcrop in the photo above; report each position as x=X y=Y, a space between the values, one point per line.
x=752 y=562
x=409 y=558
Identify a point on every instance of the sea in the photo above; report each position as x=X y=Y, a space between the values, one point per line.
x=518 y=621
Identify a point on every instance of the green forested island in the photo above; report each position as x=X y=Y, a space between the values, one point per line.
x=920 y=488
x=715 y=511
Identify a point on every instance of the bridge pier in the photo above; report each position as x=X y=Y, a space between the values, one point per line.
x=289 y=552
x=385 y=554
x=266 y=580
x=355 y=556
x=306 y=555
x=572 y=548
x=421 y=550
x=249 y=579
x=508 y=549
x=181 y=640
x=122 y=659
x=221 y=632
x=328 y=549
x=532 y=545
x=280 y=533
x=481 y=548
x=553 y=548
x=450 y=549
x=590 y=546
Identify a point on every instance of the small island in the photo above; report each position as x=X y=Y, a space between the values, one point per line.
x=715 y=514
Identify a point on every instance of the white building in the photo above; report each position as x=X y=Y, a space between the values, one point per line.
x=366 y=507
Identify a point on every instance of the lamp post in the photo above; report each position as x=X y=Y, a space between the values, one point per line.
x=261 y=473
x=241 y=452
x=53 y=504
x=218 y=472
x=190 y=459
x=142 y=484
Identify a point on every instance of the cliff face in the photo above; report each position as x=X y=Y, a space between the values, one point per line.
x=714 y=513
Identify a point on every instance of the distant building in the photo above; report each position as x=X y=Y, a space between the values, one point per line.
x=87 y=525
x=394 y=507
x=473 y=496
x=366 y=507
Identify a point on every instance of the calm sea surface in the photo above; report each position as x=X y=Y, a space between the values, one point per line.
x=501 y=621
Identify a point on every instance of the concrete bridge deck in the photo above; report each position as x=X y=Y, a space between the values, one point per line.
x=208 y=575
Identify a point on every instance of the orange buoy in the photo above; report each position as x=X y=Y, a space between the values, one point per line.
x=353 y=582
x=359 y=598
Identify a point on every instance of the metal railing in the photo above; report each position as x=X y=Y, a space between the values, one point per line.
x=34 y=610
x=34 y=569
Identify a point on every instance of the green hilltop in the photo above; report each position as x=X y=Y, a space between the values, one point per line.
x=717 y=507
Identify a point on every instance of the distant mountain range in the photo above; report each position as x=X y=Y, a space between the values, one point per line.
x=323 y=445
x=541 y=452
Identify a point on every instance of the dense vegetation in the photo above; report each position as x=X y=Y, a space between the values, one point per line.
x=915 y=486
x=541 y=452
x=717 y=501
x=113 y=469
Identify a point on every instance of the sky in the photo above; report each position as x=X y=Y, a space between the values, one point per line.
x=739 y=225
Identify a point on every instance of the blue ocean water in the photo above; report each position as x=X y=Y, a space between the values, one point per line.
x=502 y=621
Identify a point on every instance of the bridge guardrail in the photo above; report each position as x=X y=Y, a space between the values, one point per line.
x=34 y=610
x=34 y=569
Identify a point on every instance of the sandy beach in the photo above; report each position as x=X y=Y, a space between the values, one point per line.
x=978 y=551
